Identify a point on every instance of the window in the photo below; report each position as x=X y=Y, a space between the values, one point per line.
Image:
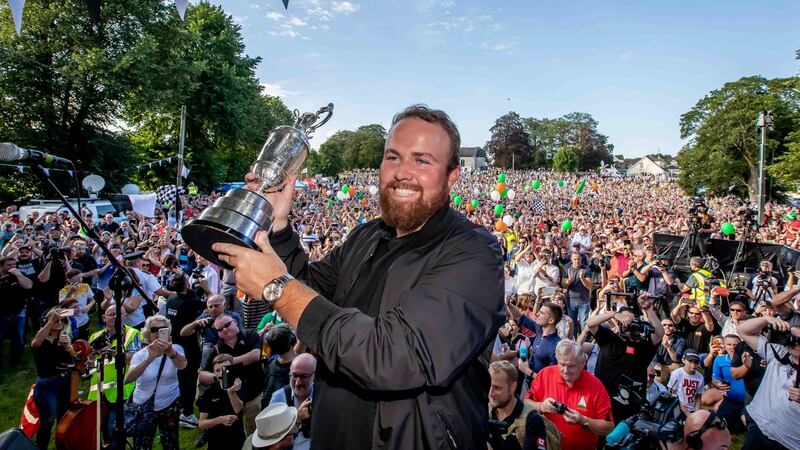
x=463 y=163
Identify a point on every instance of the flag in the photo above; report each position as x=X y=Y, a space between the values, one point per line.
x=166 y=193
x=29 y=422
x=185 y=171
x=580 y=187
x=537 y=205
x=144 y=204
x=181 y=5
x=16 y=13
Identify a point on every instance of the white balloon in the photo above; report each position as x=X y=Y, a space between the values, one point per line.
x=495 y=196
x=340 y=195
x=508 y=220
x=476 y=191
x=510 y=194
x=373 y=190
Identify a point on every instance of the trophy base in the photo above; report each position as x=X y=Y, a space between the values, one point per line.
x=200 y=235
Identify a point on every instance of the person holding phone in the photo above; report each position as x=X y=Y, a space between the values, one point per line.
x=220 y=407
x=154 y=368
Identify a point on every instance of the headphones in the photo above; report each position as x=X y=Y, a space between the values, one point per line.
x=694 y=439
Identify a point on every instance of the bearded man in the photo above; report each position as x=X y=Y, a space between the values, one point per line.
x=402 y=315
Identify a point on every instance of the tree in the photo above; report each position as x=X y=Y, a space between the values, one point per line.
x=566 y=160
x=348 y=150
x=576 y=130
x=510 y=144
x=723 y=143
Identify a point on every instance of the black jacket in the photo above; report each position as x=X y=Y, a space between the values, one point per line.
x=419 y=367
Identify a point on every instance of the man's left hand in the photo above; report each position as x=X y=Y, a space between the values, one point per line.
x=254 y=269
x=573 y=417
x=794 y=395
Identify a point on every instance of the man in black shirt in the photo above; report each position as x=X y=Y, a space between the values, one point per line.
x=245 y=347
x=14 y=288
x=221 y=409
x=623 y=354
x=699 y=327
x=181 y=310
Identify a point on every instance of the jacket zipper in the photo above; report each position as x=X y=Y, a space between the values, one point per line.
x=447 y=432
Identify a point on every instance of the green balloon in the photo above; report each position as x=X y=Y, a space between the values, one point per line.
x=504 y=193
x=727 y=228
x=537 y=184
x=475 y=203
x=345 y=188
x=560 y=183
x=330 y=202
x=457 y=200
x=566 y=226
x=498 y=209
x=501 y=178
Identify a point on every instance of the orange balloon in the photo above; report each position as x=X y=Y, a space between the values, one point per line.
x=469 y=207
x=351 y=191
x=364 y=201
x=324 y=192
x=595 y=187
x=500 y=187
x=501 y=226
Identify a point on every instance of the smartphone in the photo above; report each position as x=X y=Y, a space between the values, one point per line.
x=163 y=334
x=227 y=379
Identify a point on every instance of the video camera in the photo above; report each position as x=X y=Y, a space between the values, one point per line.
x=638 y=330
x=655 y=423
x=781 y=337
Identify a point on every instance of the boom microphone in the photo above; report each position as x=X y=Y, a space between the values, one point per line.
x=11 y=153
x=619 y=433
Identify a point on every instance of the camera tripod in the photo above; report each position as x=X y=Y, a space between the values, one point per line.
x=690 y=242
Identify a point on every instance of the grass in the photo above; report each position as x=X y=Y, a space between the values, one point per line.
x=15 y=384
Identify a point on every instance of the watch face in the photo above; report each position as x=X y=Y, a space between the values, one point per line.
x=272 y=292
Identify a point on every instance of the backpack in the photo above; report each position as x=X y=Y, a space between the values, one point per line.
x=552 y=435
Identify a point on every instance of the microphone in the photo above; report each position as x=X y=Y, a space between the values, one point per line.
x=619 y=433
x=11 y=153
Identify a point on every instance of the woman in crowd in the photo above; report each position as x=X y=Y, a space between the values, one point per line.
x=155 y=371
x=81 y=292
x=54 y=356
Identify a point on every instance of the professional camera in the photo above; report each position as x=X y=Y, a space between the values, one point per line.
x=197 y=273
x=749 y=217
x=638 y=330
x=655 y=423
x=560 y=407
x=781 y=337
x=101 y=343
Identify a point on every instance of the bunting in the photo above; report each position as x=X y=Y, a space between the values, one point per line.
x=16 y=13
x=181 y=5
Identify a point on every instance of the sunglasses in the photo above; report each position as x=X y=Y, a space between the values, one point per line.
x=226 y=326
x=737 y=310
x=156 y=329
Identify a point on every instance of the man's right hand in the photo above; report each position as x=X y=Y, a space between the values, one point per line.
x=228 y=420
x=548 y=406
x=304 y=412
x=778 y=324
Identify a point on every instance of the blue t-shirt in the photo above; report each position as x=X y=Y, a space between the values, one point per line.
x=543 y=348
x=722 y=372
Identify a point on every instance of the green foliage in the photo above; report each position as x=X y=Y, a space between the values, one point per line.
x=566 y=160
x=723 y=143
x=575 y=130
x=348 y=150
x=510 y=144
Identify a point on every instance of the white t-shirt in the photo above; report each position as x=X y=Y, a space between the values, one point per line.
x=686 y=387
x=775 y=414
x=167 y=390
x=83 y=294
x=149 y=283
x=524 y=277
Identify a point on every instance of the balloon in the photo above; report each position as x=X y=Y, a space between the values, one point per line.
x=498 y=209
x=508 y=220
x=475 y=203
x=330 y=202
x=537 y=184
x=727 y=228
x=351 y=191
x=457 y=200
x=500 y=187
x=340 y=195
x=476 y=191
x=560 y=183
x=469 y=207
x=501 y=178
x=566 y=226
x=373 y=190
x=324 y=192
x=504 y=193
x=595 y=187
x=345 y=189
x=511 y=194
x=501 y=226
x=360 y=195
x=363 y=201
x=495 y=196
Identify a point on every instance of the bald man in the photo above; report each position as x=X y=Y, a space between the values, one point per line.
x=713 y=438
x=301 y=386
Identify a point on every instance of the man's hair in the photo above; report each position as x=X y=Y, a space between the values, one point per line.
x=439 y=117
x=568 y=345
x=221 y=358
x=696 y=260
x=555 y=310
x=733 y=336
x=280 y=339
x=505 y=368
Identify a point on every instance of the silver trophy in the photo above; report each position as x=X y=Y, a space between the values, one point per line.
x=236 y=217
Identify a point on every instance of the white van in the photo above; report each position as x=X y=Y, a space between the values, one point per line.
x=98 y=207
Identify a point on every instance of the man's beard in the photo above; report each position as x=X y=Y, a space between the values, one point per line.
x=499 y=403
x=409 y=217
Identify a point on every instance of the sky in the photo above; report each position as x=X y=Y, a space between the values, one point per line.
x=634 y=65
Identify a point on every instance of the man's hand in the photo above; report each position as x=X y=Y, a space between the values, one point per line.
x=747 y=360
x=665 y=342
x=279 y=197
x=794 y=395
x=254 y=269
x=778 y=324
x=623 y=319
x=548 y=406
x=645 y=303
x=228 y=420
x=573 y=417
x=304 y=412
x=237 y=384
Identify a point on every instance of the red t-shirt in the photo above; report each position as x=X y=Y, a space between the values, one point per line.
x=587 y=396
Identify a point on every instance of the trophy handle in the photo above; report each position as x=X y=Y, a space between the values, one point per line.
x=325 y=109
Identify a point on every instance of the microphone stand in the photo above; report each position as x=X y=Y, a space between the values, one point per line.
x=119 y=433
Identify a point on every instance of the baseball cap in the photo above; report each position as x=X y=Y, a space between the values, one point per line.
x=691 y=355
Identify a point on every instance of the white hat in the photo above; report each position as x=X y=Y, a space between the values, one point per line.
x=273 y=424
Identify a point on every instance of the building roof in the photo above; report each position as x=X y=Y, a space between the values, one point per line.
x=472 y=152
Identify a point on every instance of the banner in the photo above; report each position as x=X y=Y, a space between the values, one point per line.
x=16 y=13
x=144 y=204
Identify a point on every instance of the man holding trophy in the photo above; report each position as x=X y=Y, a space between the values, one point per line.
x=401 y=316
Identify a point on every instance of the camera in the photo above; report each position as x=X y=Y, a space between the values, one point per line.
x=560 y=407
x=638 y=330
x=197 y=273
x=655 y=422
x=781 y=337
x=101 y=343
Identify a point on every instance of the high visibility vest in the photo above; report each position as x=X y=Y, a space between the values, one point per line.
x=110 y=370
x=700 y=293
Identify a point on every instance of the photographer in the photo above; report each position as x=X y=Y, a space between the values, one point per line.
x=15 y=288
x=81 y=292
x=772 y=415
x=783 y=306
x=545 y=273
x=581 y=411
x=221 y=409
x=513 y=424
x=763 y=286
x=698 y=283
x=694 y=324
x=627 y=351
x=215 y=306
x=299 y=393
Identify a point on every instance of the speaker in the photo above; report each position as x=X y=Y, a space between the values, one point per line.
x=15 y=439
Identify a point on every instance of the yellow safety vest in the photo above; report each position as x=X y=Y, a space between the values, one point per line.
x=110 y=370
x=699 y=293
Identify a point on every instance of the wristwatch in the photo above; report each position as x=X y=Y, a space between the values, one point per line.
x=585 y=425
x=274 y=289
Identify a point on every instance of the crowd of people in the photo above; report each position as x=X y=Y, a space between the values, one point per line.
x=593 y=308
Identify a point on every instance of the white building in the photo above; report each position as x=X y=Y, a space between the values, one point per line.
x=473 y=158
x=647 y=166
